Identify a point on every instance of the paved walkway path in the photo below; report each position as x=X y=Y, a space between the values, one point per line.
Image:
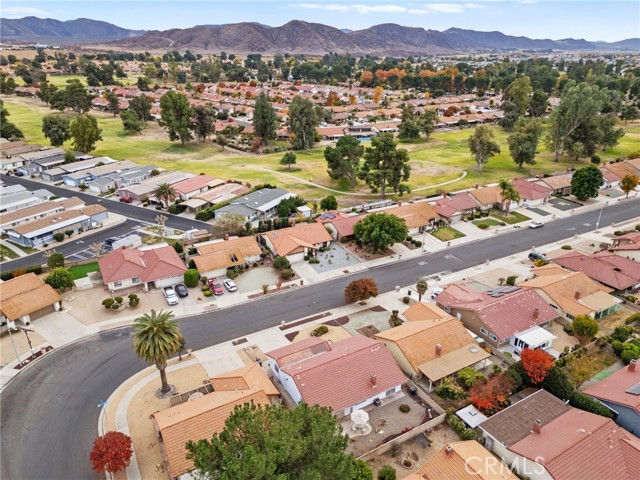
x=354 y=194
x=13 y=248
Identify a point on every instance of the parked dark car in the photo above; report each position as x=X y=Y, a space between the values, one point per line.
x=536 y=256
x=181 y=290
x=108 y=243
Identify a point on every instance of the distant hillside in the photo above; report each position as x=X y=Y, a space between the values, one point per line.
x=295 y=37
x=34 y=28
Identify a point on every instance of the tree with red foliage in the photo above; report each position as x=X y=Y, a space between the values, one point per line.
x=492 y=395
x=111 y=452
x=536 y=364
x=361 y=290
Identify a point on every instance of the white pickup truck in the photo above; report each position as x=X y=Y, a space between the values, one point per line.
x=170 y=295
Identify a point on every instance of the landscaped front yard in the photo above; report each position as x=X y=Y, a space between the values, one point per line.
x=81 y=271
x=510 y=218
x=489 y=222
x=445 y=234
x=7 y=253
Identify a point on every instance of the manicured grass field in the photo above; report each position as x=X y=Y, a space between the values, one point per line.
x=443 y=158
x=7 y=253
x=513 y=218
x=27 y=250
x=80 y=271
x=486 y=221
x=445 y=234
x=61 y=80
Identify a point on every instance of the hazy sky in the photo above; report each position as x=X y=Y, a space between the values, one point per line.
x=590 y=19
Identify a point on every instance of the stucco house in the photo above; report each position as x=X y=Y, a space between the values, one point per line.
x=158 y=266
x=345 y=376
x=627 y=246
x=27 y=298
x=216 y=257
x=614 y=271
x=297 y=241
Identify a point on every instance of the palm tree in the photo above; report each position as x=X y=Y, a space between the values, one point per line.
x=508 y=193
x=421 y=288
x=165 y=192
x=157 y=338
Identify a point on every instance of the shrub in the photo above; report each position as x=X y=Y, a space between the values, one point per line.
x=630 y=319
x=628 y=355
x=204 y=288
x=387 y=473
x=406 y=300
x=4 y=276
x=286 y=274
x=314 y=261
x=115 y=306
x=511 y=280
x=468 y=376
x=460 y=428
x=566 y=247
x=134 y=302
x=192 y=263
x=417 y=243
x=203 y=280
x=404 y=408
x=568 y=328
x=59 y=278
x=631 y=298
x=37 y=269
x=637 y=227
x=191 y=278
x=68 y=233
x=18 y=272
x=58 y=237
x=540 y=262
x=483 y=226
x=622 y=333
x=281 y=263
x=585 y=402
x=448 y=388
x=557 y=383
x=306 y=258
x=319 y=330
x=56 y=259
x=107 y=302
x=177 y=246
x=207 y=293
x=618 y=347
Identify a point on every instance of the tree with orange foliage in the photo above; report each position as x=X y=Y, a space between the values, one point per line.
x=377 y=94
x=361 y=290
x=536 y=364
x=492 y=395
x=111 y=452
x=332 y=99
x=366 y=78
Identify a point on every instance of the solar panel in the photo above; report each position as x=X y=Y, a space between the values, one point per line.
x=634 y=390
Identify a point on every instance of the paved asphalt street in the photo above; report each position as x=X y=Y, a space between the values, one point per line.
x=49 y=413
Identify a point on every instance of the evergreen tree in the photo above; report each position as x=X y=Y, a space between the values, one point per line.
x=176 y=116
x=385 y=165
x=56 y=129
x=265 y=121
x=302 y=123
x=85 y=133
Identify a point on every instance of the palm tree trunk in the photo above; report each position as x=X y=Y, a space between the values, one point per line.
x=163 y=377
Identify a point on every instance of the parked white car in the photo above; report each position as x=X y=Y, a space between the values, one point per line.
x=170 y=295
x=230 y=285
x=435 y=292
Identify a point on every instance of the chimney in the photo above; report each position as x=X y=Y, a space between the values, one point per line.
x=536 y=313
x=448 y=450
x=374 y=380
x=537 y=426
x=438 y=350
x=576 y=295
x=632 y=365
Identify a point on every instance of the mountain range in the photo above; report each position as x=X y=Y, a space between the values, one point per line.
x=295 y=37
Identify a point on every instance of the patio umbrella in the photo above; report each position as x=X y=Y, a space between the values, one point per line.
x=359 y=418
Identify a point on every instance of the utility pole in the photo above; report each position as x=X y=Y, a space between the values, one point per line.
x=11 y=325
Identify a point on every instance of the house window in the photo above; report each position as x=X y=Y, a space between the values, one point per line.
x=390 y=392
x=135 y=280
x=275 y=365
x=483 y=331
x=553 y=306
x=493 y=337
x=446 y=309
x=569 y=316
x=117 y=284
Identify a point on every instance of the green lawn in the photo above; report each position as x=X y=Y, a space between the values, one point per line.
x=513 y=218
x=445 y=234
x=80 y=271
x=486 y=221
x=443 y=158
x=61 y=80
x=7 y=253
x=27 y=250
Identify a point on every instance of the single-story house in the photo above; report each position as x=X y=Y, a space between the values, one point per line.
x=433 y=348
x=627 y=246
x=505 y=317
x=195 y=420
x=28 y=214
x=454 y=208
x=466 y=460
x=531 y=193
x=57 y=174
x=489 y=198
x=572 y=293
x=158 y=265
x=342 y=227
x=330 y=215
x=195 y=185
x=622 y=169
x=577 y=444
x=424 y=311
x=140 y=192
x=219 y=194
x=620 y=391
x=612 y=270
x=559 y=184
x=216 y=257
x=345 y=376
x=419 y=217
x=260 y=204
x=10 y=164
x=41 y=231
x=44 y=159
x=27 y=298
x=133 y=175
x=610 y=179
x=22 y=199
x=75 y=179
x=297 y=241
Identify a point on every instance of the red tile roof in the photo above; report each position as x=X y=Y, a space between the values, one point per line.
x=148 y=265
x=605 y=267
x=614 y=388
x=460 y=203
x=505 y=315
x=530 y=190
x=344 y=226
x=299 y=350
x=580 y=445
x=195 y=183
x=342 y=377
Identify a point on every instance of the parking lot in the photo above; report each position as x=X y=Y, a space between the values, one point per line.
x=86 y=251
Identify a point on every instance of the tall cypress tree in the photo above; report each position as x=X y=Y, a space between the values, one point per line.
x=264 y=120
